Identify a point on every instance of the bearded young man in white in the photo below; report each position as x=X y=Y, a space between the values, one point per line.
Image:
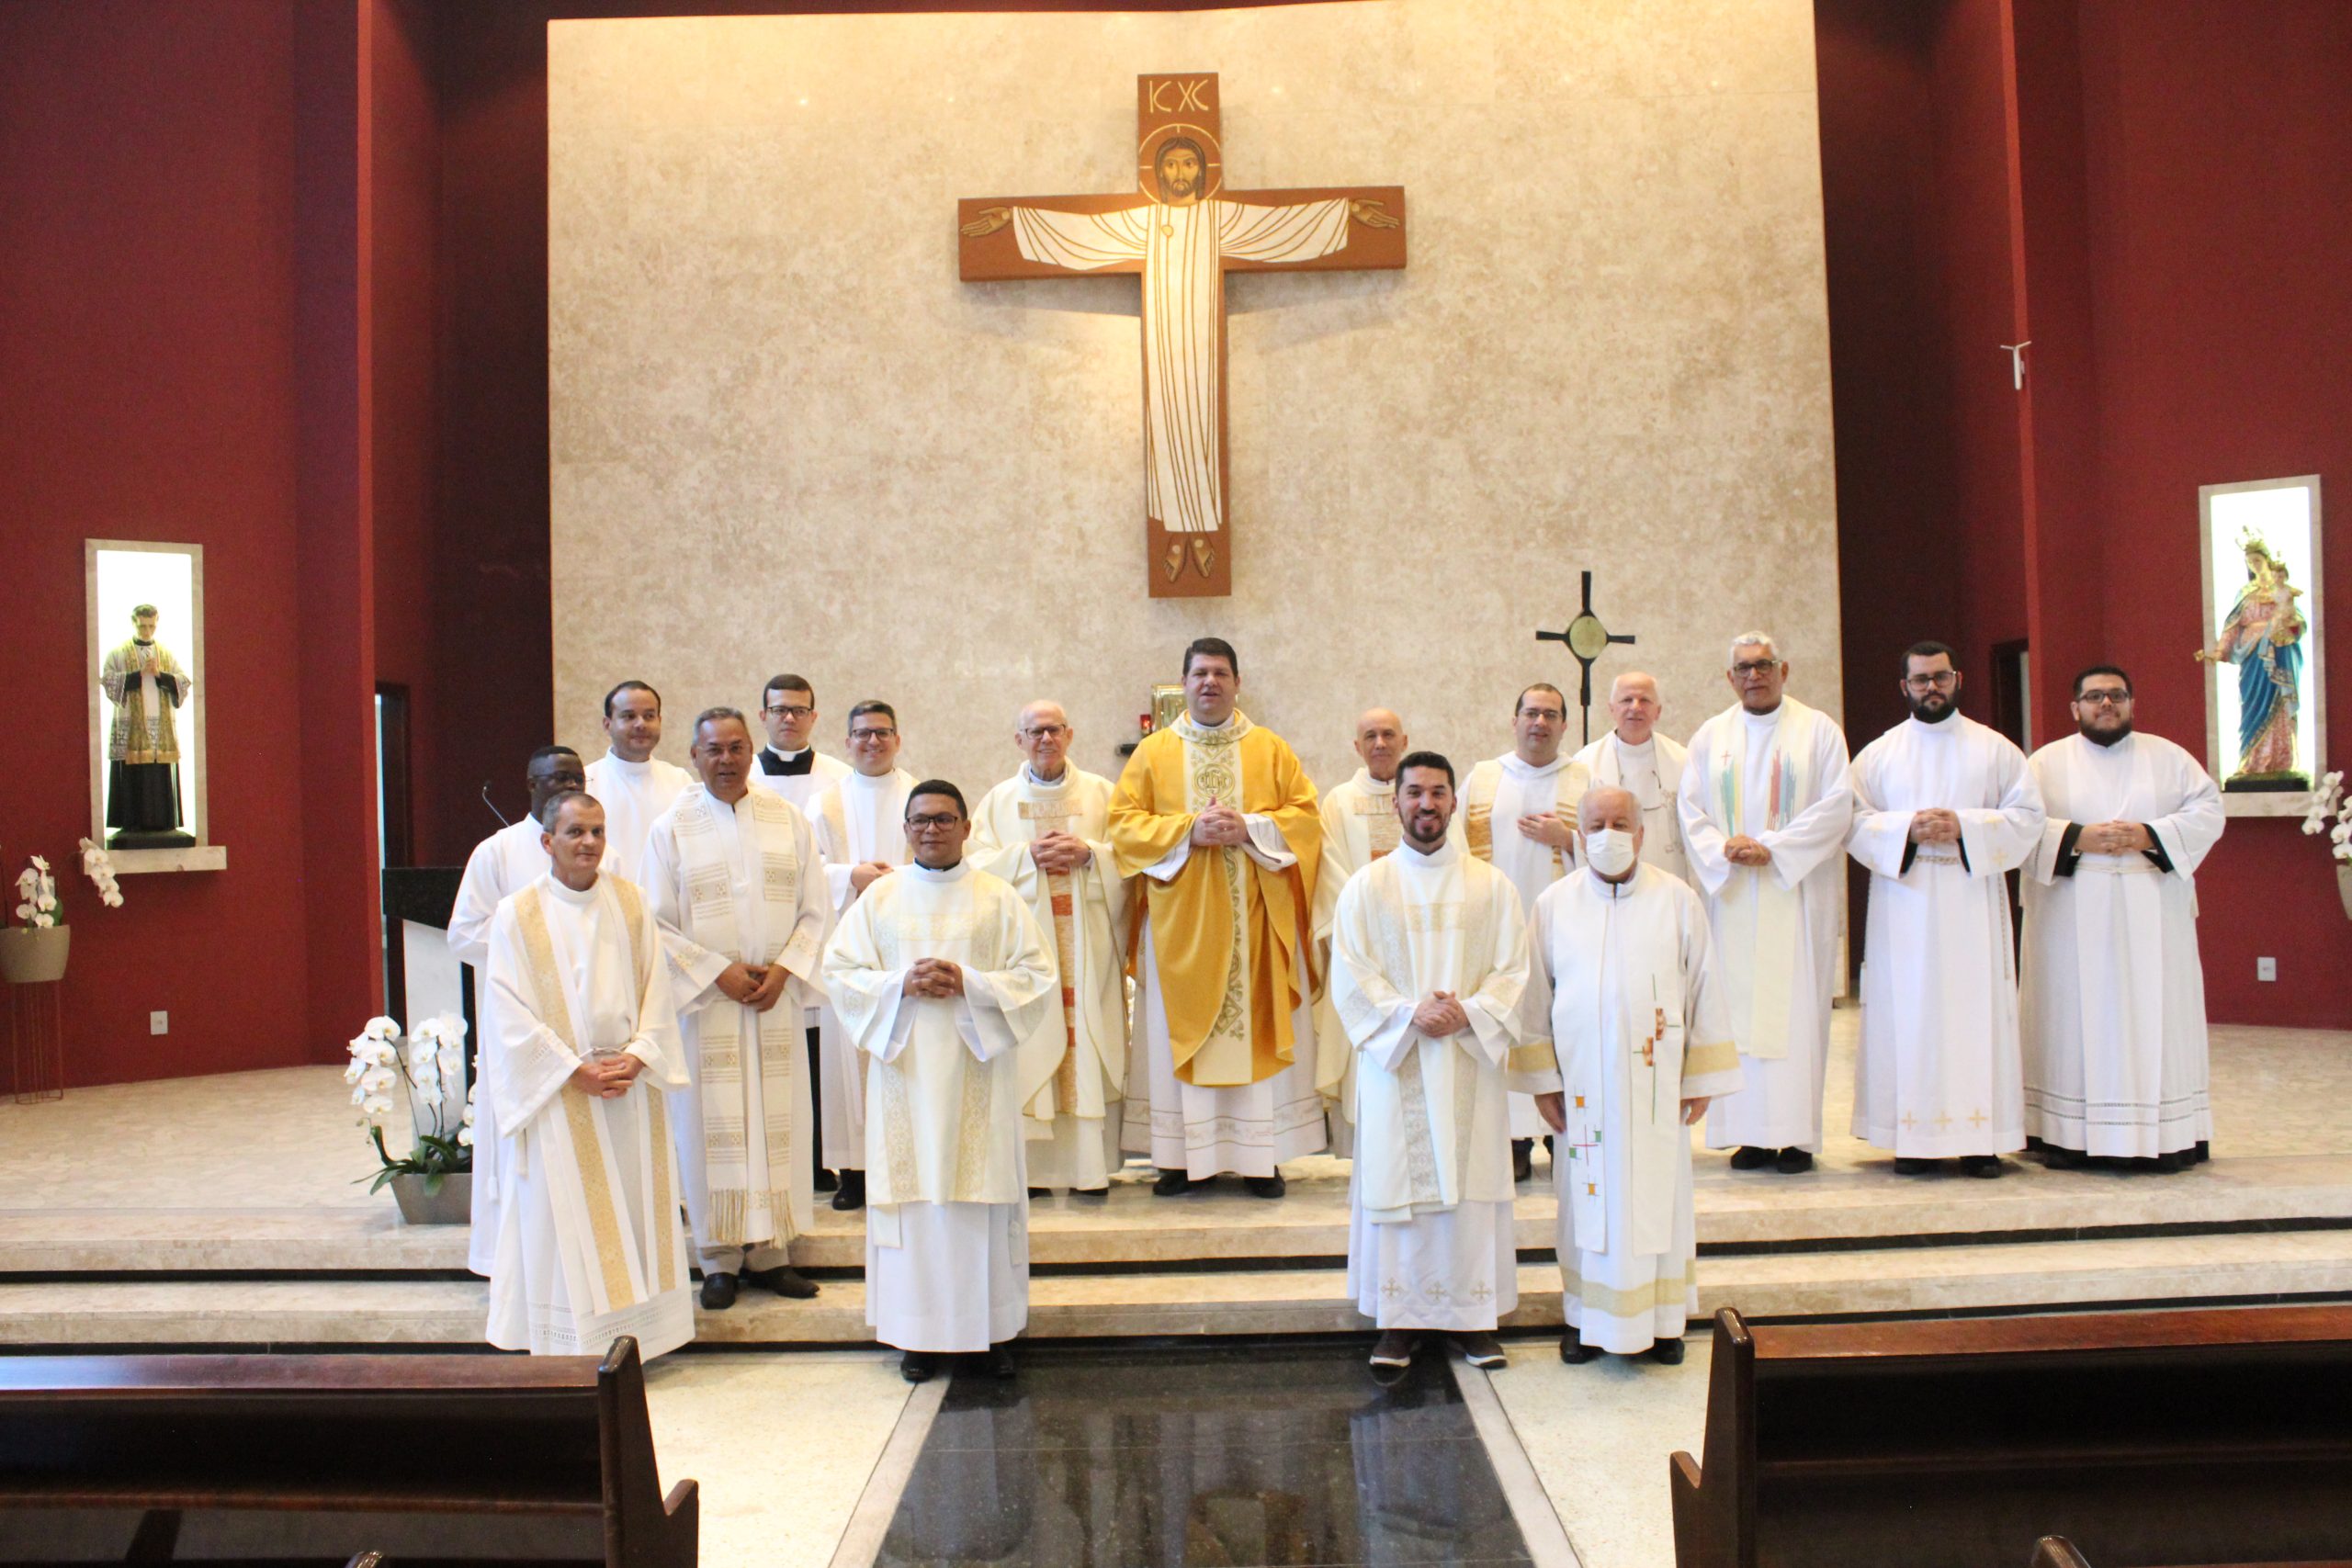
x=736 y=885
x=1045 y=833
x=1519 y=813
x=938 y=974
x=1622 y=972
x=1943 y=808
x=1359 y=826
x=579 y=1047
x=508 y=861
x=859 y=818
x=1430 y=962
x=2112 y=1001
x=629 y=782
x=1634 y=756
x=1764 y=808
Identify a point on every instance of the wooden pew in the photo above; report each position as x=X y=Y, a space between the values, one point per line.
x=2199 y=1436
x=423 y=1459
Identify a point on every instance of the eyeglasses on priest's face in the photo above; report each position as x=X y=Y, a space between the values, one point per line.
x=1748 y=669
x=2104 y=696
x=793 y=711
x=863 y=737
x=934 y=821
x=1941 y=680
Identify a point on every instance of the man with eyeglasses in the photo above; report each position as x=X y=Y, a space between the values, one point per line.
x=1519 y=813
x=1047 y=833
x=1764 y=808
x=860 y=821
x=938 y=974
x=1943 y=808
x=790 y=763
x=2113 y=996
x=737 y=888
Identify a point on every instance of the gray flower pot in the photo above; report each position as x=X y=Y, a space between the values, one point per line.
x=452 y=1205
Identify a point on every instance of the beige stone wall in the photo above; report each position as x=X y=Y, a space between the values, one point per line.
x=785 y=437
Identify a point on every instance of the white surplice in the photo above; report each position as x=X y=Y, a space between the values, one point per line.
x=2112 y=1001
x=1780 y=779
x=1652 y=774
x=1940 y=1072
x=946 y=1241
x=588 y=1243
x=507 y=861
x=1622 y=973
x=1073 y=1071
x=633 y=795
x=856 y=819
x=1495 y=795
x=732 y=883
x=1431 y=1242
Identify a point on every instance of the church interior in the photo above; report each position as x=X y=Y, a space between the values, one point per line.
x=422 y=373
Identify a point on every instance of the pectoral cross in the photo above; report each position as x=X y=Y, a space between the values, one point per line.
x=1184 y=231
x=1587 y=640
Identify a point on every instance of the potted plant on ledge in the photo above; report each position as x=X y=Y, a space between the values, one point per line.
x=433 y=1182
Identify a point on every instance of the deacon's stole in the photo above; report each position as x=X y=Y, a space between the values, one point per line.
x=737 y=1207
x=1478 y=808
x=1229 y=935
x=1758 y=917
x=609 y=1262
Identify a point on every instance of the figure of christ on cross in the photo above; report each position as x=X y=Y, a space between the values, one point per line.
x=1184 y=231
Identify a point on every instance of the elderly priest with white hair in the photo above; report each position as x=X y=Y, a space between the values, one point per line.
x=739 y=891
x=1045 y=832
x=2112 y=1001
x=1360 y=826
x=1764 y=807
x=1622 y=969
x=579 y=1047
x=938 y=974
x=1633 y=756
x=1428 y=962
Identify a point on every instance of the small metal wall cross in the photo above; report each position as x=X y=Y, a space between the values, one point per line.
x=1587 y=640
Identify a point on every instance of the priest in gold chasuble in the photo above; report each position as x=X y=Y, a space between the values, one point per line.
x=1219 y=817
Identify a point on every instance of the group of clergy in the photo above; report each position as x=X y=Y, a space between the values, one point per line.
x=782 y=974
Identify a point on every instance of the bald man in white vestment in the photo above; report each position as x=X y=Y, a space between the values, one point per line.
x=582 y=1049
x=629 y=782
x=1429 y=959
x=1519 y=813
x=733 y=875
x=2112 y=1000
x=859 y=818
x=1634 y=756
x=938 y=974
x=1045 y=833
x=1943 y=808
x=1765 y=807
x=1359 y=826
x=508 y=861
x=1621 y=968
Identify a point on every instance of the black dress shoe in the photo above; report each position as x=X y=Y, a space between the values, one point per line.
x=2056 y=1159
x=1171 y=1184
x=1523 y=1160
x=1574 y=1350
x=2171 y=1164
x=826 y=1180
x=1985 y=1166
x=999 y=1361
x=1793 y=1162
x=785 y=1280
x=1040 y=1191
x=917 y=1366
x=1905 y=1166
x=1266 y=1186
x=718 y=1292
x=1667 y=1352
x=852 y=1191
x=1748 y=1156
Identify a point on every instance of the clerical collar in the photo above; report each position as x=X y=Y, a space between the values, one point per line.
x=570 y=895
x=1625 y=745
x=786 y=764
x=924 y=874
x=1364 y=781
x=1616 y=889
x=135 y=642
x=1030 y=774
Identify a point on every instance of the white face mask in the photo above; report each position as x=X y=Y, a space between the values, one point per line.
x=1609 y=851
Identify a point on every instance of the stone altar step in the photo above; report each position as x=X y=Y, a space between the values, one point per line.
x=2248 y=1267
x=1224 y=1223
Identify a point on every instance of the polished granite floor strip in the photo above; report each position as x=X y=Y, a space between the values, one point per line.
x=1169 y=1458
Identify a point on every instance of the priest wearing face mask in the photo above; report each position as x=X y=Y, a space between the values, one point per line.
x=1625 y=986
x=2112 y=1000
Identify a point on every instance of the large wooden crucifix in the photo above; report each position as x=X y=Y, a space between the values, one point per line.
x=1184 y=231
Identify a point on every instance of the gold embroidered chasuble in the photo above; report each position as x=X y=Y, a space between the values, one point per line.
x=1229 y=934
x=942 y=1122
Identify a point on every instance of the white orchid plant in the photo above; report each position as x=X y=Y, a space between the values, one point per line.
x=2326 y=801
x=431 y=1071
x=98 y=866
x=36 y=895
